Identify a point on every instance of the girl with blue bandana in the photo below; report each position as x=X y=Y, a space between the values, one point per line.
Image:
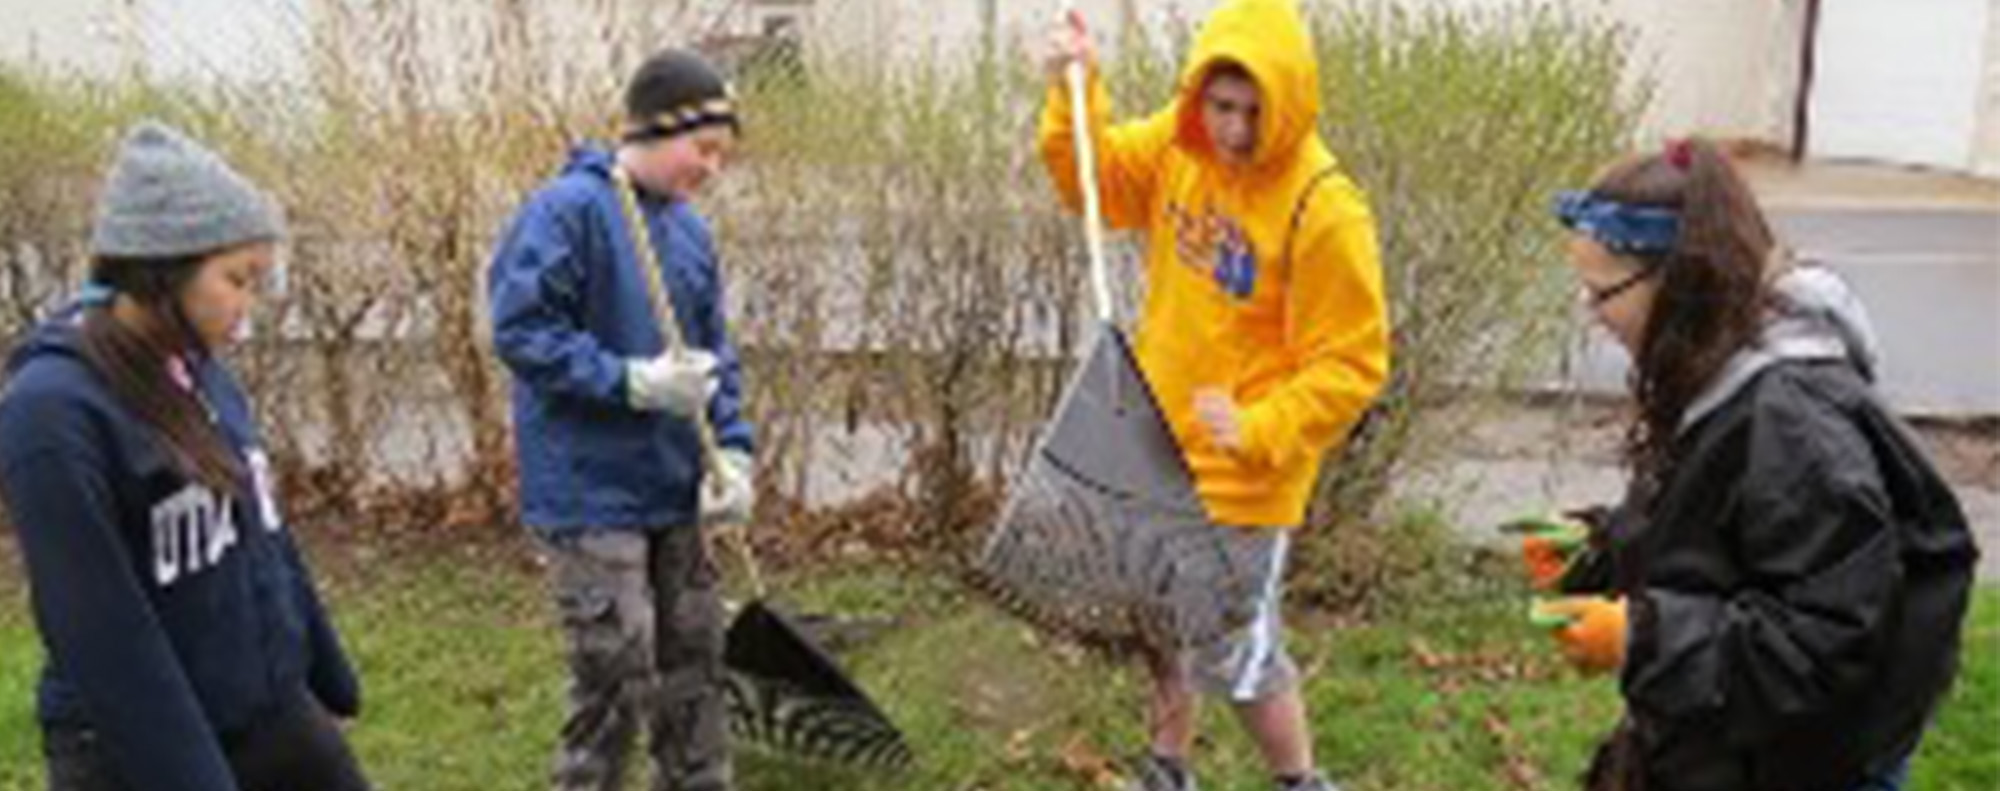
x=1782 y=589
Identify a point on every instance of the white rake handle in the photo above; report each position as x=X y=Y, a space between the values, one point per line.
x=1086 y=164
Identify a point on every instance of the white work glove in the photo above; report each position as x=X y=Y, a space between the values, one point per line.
x=728 y=492
x=678 y=383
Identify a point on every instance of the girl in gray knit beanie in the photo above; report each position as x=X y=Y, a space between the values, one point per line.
x=187 y=647
x=180 y=245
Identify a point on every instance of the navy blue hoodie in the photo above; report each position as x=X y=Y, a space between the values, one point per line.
x=569 y=309
x=174 y=616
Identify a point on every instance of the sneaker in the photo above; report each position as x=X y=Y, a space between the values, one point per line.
x=1312 y=782
x=1159 y=773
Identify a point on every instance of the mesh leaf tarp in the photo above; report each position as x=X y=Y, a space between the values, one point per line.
x=1103 y=541
x=788 y=695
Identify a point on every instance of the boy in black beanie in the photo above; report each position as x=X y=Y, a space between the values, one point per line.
x=613 y=480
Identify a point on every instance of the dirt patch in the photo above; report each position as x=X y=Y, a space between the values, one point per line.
x=1543 y=453
x=1967 y=453
x=1591 y=431
x=13 y=576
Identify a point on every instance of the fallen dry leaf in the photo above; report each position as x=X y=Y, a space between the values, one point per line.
x=1084 y=761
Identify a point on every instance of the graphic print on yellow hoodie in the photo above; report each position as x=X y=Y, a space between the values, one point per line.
x=1301 y=339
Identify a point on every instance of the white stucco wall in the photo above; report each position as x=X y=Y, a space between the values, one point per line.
x=1721 y=67
x=1986 y=147
x=1900 y=80
x=165 y=39
x=69 y=33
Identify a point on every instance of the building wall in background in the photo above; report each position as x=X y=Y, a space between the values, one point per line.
x=82 y=34
x=1986 y=149
x=1727 y=68
x=1901 y=80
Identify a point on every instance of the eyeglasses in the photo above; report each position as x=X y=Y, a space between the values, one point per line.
x=1598 y=297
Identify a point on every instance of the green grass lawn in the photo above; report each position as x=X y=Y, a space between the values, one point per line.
x=464 y=689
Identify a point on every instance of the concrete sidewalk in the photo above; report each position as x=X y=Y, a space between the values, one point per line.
x=1840 y=184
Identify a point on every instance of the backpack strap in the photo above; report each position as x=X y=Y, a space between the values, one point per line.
x=1299 y=211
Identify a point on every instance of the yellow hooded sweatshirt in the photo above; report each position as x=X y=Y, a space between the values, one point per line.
x=1263 y=279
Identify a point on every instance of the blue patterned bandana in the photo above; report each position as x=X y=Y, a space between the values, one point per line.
x=1622 y=228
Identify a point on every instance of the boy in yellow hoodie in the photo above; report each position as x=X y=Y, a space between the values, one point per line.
x=1264 y=333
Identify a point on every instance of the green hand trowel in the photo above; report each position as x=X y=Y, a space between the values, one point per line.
x=1540 y=614
x=1565 y=533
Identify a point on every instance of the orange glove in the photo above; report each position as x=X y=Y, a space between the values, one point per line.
x=1545 y=561
x=1547 y=544
x=1590 y=629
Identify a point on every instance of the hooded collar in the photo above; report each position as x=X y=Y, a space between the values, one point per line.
x=1815 y=316
x=1270 y=40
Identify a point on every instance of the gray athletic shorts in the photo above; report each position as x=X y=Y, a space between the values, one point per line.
x=1251 y=664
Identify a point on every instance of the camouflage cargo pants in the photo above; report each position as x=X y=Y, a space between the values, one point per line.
x=643 y=622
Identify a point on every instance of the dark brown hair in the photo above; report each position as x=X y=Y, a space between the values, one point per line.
x=1711 y=295
x=1226 y=67
x=134 y=362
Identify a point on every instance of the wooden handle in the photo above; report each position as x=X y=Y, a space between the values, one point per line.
x=648 y=258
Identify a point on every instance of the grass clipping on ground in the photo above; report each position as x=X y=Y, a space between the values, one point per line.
x=464 y=680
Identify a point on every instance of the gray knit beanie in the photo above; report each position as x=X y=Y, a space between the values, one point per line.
x=167 y=197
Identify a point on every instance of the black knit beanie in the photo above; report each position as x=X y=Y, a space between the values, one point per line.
x=676 y=92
